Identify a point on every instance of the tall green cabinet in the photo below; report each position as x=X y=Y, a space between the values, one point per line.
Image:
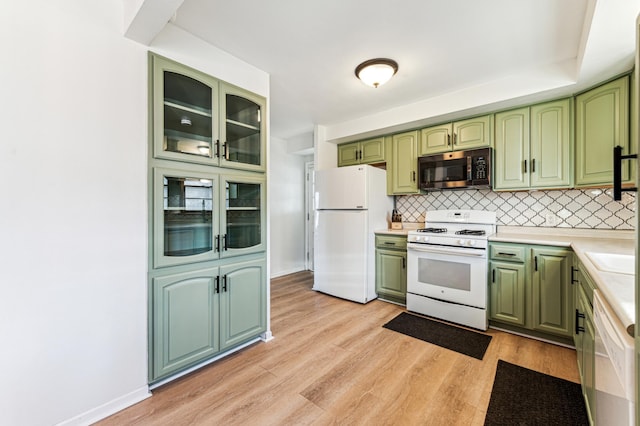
x=207 y=218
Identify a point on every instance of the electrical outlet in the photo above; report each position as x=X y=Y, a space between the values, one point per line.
x=550 y=220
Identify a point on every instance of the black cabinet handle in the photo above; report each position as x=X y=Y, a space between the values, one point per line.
x=224 y=242
x=414 y=175
x=225 y=151
x=493 y=275
x=224 y=282
x=535 y=262
x=506 y=254
x=449 y=140
x=217 y=243
x=404 y=263
x=533 y=165
x=617 y=172
x=578 y=327
x=216 y=288
x=217 y=148
x=455 y=137
x=573 y=270
x=524 y=166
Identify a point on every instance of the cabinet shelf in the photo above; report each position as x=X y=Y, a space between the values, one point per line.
x=187 y=108
x=238 y=130
x=242 y=208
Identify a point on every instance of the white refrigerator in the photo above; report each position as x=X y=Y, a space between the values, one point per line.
x=351 y=204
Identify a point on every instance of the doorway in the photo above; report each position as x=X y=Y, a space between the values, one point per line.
x=309 y=211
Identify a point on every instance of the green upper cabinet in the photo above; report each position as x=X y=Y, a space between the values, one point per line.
x=199 y=119
x=550 y=154
x=602 y=122
x=363 y=152
x=404 y=163
x=512 y=145
x=533 y=147
x=460 y=135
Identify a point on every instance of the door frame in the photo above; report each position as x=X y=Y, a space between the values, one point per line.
x=309 y=211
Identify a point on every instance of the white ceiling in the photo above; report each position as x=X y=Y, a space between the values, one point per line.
x=443 y=48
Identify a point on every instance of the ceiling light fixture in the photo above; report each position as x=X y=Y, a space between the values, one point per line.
x=376 y=72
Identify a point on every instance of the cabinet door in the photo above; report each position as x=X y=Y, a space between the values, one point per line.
x=405 y=163
x=185 y=115
x=372 y=151
x=242 y=135
x=391 y=275
x=589 y=367
x=550 y=145
x=185 y=217
x=348 y=154
x=507 y=293
x=184 y=320
x=435 y=139
x=473 y=133
x=243 y=223
x=512 y=149
x=552 y=295
x=243 y=297
x=601 y=124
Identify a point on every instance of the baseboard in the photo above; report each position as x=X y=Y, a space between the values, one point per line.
x=111 y=407
x=267 y=336
x=287 y=272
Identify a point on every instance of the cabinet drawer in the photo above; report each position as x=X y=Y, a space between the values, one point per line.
x=391 y=242
x=507 y=252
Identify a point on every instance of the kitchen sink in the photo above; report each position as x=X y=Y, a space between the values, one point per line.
x=609 y=262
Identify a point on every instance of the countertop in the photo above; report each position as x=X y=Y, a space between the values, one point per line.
x=617 y=288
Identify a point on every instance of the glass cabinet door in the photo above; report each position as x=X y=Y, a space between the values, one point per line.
x=242 y=131
x=185 y=117
x=243 y=219
x=185 y=218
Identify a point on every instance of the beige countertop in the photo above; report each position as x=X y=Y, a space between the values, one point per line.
x=618 y=288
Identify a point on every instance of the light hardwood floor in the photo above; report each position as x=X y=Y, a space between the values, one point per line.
x=331 y=362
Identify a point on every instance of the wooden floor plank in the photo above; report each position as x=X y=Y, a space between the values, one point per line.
x=331 y=362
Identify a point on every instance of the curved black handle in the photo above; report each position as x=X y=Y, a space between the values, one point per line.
x=617 y=172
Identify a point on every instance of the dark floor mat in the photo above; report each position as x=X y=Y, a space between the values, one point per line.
x=525 y=397
x=447 y=336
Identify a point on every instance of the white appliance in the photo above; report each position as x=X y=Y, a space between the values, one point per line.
x=447 y=266
x=614 y=367
x=351 y=203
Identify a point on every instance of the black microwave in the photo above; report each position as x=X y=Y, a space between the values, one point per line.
x=454 y=170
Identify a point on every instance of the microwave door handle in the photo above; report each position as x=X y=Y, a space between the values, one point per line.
x=469 y=169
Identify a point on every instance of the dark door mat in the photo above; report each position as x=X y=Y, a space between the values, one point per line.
x=447 y=336
x=525 y=397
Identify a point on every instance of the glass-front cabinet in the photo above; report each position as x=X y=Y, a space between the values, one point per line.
x=200 y=119
x=199 y=216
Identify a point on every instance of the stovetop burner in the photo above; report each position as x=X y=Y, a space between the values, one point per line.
x=470 y=232
x=434 y=230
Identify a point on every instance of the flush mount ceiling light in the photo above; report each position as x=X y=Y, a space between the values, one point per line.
x=376 y=72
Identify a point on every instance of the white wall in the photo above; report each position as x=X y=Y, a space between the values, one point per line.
x=73 y=207
x=286 y=205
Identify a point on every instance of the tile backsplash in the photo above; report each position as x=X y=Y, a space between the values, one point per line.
x=575 y=208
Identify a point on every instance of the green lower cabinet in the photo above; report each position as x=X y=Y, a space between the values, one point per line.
x=552 y=296
x=391 y=268
x=196 y=315
x=243 y=297
x=584 y=336
x=530 y=288
x=184 y=320
x=506 y=292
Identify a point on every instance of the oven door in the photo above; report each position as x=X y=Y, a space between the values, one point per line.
x=452 y=274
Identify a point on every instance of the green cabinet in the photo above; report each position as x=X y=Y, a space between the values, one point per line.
x=584 y=333
x=552 y=293
x=404 y=163
x=202 y=216
x=602 y=122
x=197 y=118
x=391 y=268
x=530 y=288
x=207 y=218
x=363 y=152
x=533 y=147
x=197 y=314
x=460 y=135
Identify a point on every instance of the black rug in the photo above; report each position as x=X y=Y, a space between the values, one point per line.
x=444 y=335
x=525 y=397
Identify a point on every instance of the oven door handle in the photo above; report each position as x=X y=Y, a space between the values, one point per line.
x=453 y=251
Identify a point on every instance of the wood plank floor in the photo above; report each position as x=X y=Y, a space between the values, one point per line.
x=331 y=362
